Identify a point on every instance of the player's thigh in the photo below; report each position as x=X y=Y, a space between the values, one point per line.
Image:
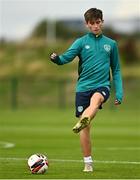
x=96 y=100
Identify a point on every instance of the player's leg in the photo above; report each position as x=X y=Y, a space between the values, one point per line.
x=90 y=112
x=85 y=142
x=99 y=96
x=95 y=102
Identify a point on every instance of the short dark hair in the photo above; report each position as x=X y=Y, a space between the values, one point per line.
x=93 y=14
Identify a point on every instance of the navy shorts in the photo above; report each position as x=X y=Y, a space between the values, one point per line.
x=82 y=100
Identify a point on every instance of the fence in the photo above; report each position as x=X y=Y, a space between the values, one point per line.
x=29 y=92
x=17 y=93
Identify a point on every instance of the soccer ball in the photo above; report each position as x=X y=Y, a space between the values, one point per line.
x=38 y=163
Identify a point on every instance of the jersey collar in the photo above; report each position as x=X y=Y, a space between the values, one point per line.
x=95 y=36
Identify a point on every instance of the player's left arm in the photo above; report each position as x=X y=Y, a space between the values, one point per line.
x=116 y=74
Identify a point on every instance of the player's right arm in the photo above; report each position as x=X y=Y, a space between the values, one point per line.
x=68 y=55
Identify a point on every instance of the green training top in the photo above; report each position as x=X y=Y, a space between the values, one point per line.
x=97 y=54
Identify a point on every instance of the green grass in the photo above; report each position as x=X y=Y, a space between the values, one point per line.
x=48 y=131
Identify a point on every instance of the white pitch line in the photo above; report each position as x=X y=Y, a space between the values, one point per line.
x=76 y=161
x=97 y=161
x=4 y=144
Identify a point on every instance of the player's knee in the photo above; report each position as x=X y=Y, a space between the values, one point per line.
x=98 y=98
x=97 y=101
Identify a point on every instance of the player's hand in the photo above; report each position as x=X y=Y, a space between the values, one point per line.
x=117 y=102
x=53 y=56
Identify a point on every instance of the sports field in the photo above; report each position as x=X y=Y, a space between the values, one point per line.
x=116 y=144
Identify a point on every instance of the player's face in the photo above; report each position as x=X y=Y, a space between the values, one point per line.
x=95 y=26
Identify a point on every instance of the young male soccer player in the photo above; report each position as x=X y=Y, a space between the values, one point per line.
x=97 y=55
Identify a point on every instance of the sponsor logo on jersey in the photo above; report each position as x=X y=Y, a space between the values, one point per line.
x=87 y=46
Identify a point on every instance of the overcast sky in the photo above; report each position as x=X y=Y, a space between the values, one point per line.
x=18 y=17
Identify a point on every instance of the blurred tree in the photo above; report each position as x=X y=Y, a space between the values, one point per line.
x=129 y=51
x=62 y=31
x=40 y=30
x=108 y=31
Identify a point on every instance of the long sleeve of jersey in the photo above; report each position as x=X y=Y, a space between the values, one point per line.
x=70 y=54
x=116 y=72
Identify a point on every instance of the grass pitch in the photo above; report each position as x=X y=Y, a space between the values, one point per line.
x=115 y=140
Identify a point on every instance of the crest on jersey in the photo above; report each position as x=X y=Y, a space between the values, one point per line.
x=107 y=47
